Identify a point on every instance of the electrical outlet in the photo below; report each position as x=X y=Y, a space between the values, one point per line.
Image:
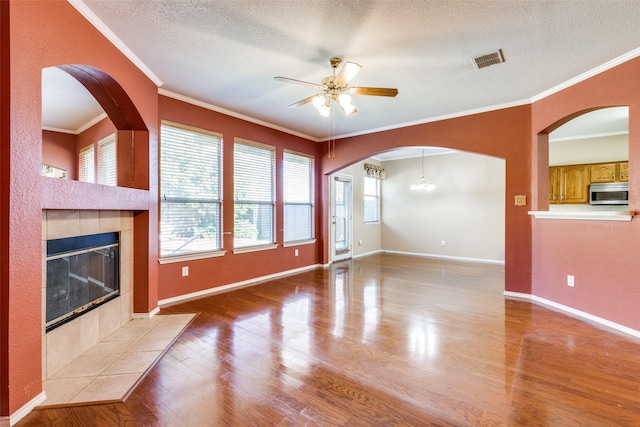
x=359 y=242
x=444 y=243
x=295 y=252
x=185 y=271
x=570 y=281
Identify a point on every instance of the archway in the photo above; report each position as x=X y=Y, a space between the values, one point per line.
x=131 y=133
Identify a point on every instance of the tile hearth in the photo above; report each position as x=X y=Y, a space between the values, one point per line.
x=108 y=370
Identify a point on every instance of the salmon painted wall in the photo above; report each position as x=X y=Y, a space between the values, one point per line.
x=43 y=34
x=232 y=268
x=502 y=133
x=59 y=150
x=5 y=136
x=601 y=255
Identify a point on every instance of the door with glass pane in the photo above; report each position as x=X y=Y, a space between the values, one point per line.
x=341 y=217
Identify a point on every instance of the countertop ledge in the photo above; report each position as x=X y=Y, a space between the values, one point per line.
x=585 y=215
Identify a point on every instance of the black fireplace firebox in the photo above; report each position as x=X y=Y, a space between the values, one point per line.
x=83 y=272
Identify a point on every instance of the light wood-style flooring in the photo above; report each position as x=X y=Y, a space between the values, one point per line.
x=381 y=340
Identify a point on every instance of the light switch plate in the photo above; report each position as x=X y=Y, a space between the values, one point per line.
x=521 y=200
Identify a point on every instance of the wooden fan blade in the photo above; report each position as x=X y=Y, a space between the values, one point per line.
x=303 y=101
x=374 y=91
x=299 y=82
x=348 y=71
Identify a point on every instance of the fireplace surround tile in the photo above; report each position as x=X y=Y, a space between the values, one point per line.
x=87 y=365
x=89 y=330
x=69 y=341
x=64 y=389
x=107 y=347
x=132 y=362
x=104 y=388
x=63 y=345
x=110 y=317
x=107 y=371
x=110 y=221
x=89 y=222
x=62 y=223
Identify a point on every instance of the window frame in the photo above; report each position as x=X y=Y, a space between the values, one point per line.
x=100 y=161
x=218 y=249
x=84 y=160
x=257 y=246
x=310 y=203
x=376 y=196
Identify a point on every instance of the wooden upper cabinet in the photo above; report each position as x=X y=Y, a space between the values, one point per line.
x=574 y=184
x=623 y=172
x=610 y=172
x=605 y=172
x=569 y=184
x=554 y=185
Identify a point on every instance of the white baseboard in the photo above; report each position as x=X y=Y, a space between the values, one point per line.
x=446 y=257
x=575 y=312
x=219 y=289
x=379 y=251
x=22 y=412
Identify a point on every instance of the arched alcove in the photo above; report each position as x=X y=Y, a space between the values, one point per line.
x=106 y=109
x=584 y=148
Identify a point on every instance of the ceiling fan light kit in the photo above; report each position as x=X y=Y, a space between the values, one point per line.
x=336 y=88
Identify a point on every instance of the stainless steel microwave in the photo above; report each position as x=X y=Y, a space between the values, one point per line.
x=614 y=193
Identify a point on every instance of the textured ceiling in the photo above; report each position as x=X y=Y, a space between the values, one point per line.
x=226 y=53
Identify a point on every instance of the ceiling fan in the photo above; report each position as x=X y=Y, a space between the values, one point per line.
x=336 y=88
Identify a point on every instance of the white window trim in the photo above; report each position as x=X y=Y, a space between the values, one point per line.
x=379 y=201
x=312 y=203
x=256 y=248
x=168 y=259
x=298 y=243
x=273 y=203
x=191 y=257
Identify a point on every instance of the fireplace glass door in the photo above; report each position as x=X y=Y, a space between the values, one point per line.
x=82 y=273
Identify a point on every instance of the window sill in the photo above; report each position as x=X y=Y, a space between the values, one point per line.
x=584 y=215
x=255 y=248
x=191 y=257
x=372 y=222
x=298 y=243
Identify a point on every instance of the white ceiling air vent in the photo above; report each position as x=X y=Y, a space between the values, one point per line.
x=489 y=59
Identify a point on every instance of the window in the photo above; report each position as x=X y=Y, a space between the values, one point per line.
x=87 y=165
x=298 y=197
x=190 y=189
x=254 y=182
x=371 y=199
x=107 y=161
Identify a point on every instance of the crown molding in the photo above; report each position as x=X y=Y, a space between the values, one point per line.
x=224 y=111
x=115 y=40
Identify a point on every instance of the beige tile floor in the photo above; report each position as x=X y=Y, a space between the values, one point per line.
x=108 y=370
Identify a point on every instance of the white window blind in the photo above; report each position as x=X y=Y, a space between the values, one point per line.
x=371 y=199
x=190 y=189
x=297 y=174
x=107 y=161
x=86 y=169
x=254 y=195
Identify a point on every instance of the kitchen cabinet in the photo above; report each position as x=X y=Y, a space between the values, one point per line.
x=623 y=173
x=569 y=184
x=610 y=172
x=554 y=185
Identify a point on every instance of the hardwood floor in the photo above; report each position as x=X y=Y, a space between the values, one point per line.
x=381 y=340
